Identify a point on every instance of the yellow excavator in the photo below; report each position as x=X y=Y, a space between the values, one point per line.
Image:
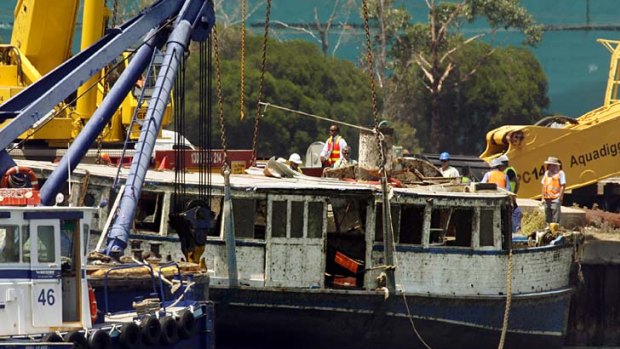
x=42 y=39
x=588 y=146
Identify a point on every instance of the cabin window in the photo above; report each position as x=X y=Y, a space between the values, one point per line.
x=411 y=224
x=297 y=219
x=315 y=219
x=305 y=216
x=440 y=217
x=66 y=238
x=460 y=227
x=47 y=245
x=486 y=228
x=451 y=226
x=278 y=219
x=9 y=244
x=249 y=217
x=395 y=213
x=148 y=213
x=25 y=244
x=243 y=214
x=216 y=207
x=346 y=215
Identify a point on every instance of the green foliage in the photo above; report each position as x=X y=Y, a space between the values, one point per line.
x=453 y=88
x=506 y=14
x=508 y=87
x=298 y=77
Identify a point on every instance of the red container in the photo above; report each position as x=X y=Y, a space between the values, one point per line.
x=347 y=262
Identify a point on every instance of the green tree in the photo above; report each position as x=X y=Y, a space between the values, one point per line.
x=298 y=76
x=433 y=49
x=510 y=87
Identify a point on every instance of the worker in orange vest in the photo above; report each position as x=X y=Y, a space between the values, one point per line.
x=496 y=175
x=553 y=184
x=332 y=149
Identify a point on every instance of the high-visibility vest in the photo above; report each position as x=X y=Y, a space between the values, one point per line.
x=551 y=186
x=513 y=183
x=334 y=145
x=498 y=177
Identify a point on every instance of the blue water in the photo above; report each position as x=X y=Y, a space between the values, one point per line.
x=575 y=64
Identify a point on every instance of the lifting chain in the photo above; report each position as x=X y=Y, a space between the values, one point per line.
x=373 y=93
x=220 y=99
x=260 y=85
x=242 y=87
x=115 y=13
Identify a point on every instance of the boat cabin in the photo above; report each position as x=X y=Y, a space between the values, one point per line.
x=43 y=286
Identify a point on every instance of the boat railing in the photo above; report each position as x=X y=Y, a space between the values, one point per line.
x=161 y=281
x=125 y=266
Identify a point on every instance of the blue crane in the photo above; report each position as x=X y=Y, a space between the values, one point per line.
x=192 y=19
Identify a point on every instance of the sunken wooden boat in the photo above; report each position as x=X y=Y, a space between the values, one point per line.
x=306 y=260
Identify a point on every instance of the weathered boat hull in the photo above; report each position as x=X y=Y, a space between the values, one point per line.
x=358 y=319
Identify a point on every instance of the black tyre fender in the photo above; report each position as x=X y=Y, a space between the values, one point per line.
x=52 y=337
x=130 y=337
x=78 y=339
x=186 y=324
x=99 y=339
x=151 y=330
x=169 y=331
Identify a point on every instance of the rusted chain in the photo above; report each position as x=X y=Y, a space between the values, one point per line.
x=242 y=84
x=373 y=94
x=260 y=85
x=220 y=99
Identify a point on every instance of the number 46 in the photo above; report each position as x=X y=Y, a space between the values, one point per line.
x=46 y=297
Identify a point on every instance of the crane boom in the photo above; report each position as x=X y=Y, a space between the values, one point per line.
x=193 y=19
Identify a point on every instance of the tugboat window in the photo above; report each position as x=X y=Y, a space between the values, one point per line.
x=47 y=246
x=25 y=244
x=9 y=244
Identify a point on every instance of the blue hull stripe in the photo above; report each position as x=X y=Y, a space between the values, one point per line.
x=467 y=251
x=12 y=274
x=54 y=215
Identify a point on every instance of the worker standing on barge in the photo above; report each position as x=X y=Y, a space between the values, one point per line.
x=553 y=185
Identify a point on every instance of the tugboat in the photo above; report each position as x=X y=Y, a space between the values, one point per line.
x=45 y=295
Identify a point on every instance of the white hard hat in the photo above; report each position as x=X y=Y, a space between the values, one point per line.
x=503 y=158
x=295 y=158
x=495 y=163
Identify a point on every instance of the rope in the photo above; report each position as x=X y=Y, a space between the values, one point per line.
x=415 y=330
x=260 y=85
x=267 y=105
x=188 y=287
x=502 y=338
x=242 y=87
